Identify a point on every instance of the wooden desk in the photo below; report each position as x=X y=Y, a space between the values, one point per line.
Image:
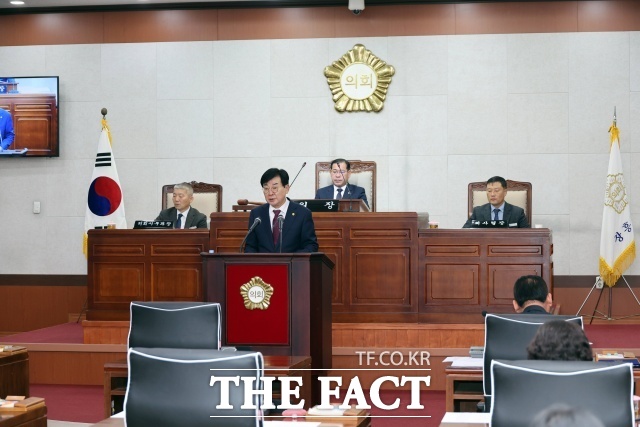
x=14 y=374
x=142 y=265
x=116 y=377
x=34 y=418
x=35 y=121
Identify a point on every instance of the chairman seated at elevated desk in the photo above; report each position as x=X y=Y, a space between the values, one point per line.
x=341 y=189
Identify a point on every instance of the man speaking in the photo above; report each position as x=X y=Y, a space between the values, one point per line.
x=281 y=226
x=497 y=209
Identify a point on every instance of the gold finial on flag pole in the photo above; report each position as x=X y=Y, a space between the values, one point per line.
x=104 y=113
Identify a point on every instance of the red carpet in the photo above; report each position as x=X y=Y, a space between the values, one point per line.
x=67 y=333
x=76 y=403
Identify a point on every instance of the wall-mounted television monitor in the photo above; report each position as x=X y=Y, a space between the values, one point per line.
x=29 y=117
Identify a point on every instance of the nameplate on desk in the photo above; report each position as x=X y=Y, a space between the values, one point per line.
x=491 y=224
x=316 y=205
x=152 y=225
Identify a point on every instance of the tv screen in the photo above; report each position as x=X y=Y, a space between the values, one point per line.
x=29 y=116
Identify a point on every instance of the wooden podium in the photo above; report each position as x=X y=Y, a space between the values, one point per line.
x=297 y=319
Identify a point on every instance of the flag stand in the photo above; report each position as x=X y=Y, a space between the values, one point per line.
x=599 y=284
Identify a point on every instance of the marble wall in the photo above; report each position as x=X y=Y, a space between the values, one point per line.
x=530 y=107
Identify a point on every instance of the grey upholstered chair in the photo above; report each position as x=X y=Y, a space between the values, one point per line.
x=522 y=389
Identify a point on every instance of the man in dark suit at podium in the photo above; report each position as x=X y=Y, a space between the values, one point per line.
x=182 y=214
x=298 y=231
x=497 y=209
x=341 y=189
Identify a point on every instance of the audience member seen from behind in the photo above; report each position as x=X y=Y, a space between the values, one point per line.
x=560 y=340
x=182 y=214
x=341 y=189
x=560 y=415
x=497 y=209
x=531 y=296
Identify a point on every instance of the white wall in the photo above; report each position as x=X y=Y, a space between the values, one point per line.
x=531 y=107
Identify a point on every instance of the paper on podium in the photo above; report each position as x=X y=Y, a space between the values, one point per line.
x=466 y=417
x=468 y=363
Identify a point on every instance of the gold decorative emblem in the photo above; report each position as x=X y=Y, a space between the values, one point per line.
x=359 y=81
x=256 y=294
x=616 y=194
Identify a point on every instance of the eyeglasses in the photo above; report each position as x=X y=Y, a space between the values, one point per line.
x=338 y=172
x=274 y=189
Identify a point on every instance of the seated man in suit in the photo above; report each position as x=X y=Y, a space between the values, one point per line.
x=497 y=209
x=341 y=189
x=6 y=130
x=298 y=231
x=531 y=295
x=183 y=215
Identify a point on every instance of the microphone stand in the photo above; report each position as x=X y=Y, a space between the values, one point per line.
x=348 y=192
x=253 y=226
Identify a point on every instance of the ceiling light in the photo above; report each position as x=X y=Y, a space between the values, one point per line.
x=17 y=2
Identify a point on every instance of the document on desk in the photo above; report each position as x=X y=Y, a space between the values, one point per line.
x=465 y=362
x=289 y=424
x=466 y=417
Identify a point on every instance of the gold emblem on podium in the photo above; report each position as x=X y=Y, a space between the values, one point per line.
x=359 y=81
x=256 y=294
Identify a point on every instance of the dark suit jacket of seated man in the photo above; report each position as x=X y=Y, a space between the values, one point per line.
x=350 y=192
x=512 y=215
x=298 y=230
x=340 y=174
x=496 y=192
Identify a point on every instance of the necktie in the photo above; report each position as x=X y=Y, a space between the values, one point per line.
x=339 y=194
x=274 y=227
x=178 y=223
x=495 y=214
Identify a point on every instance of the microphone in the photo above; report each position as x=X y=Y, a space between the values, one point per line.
x=280 y=222
x=348 y=192
x=256 y=222
x=294 y=179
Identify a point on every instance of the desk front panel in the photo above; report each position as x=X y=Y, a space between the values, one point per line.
x=375 y=256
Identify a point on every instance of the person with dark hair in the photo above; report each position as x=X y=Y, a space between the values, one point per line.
x=341 y=189
x=560 y=340
x=7 y=134
x=560 y=415
x=531 y=295
x=298 y=231
x=182 y=214
x=497 y=209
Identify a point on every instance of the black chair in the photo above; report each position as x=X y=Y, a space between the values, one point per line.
x=187 y=325
x=506 y=336
x=522 y=389
x=171 y=387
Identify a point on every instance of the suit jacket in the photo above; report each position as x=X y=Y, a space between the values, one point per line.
x=534 y=309
x=194 y=219
x=6 y=129
x=354 y=192
x=512 y=215
x=298 y=231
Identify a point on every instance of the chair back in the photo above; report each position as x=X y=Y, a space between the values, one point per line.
x=363 y=174
x=170 y=387
x=168 y=324
x=522 y=389
x=207 y=198
x=518 y=194
x=507 y=336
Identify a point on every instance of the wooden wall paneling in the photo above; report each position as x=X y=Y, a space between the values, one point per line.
x=449 y=284
x=516 y=18
x=501 y=279
x=160 y=26
x=51 y=29
x=276 y=23
x=25 y=308
x=418 y=19
x=381 y=276
x=609 y=15
x=176 y=281
x=69 y=367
